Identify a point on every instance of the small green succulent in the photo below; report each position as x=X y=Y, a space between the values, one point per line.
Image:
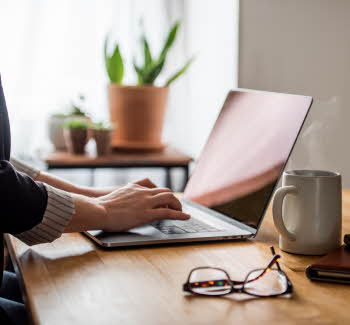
x=103 y=126
x=152 y=65
x=76 y=109
x=76 y=124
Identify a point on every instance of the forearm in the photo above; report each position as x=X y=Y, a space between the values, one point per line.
x=64 y=185
x=70 y=187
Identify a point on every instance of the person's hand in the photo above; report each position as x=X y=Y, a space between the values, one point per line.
x=101 y=191
x=146 y=182
x=134 y=205
x=97 y=192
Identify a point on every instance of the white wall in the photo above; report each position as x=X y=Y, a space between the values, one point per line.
x=300 y=46
x=211 y=35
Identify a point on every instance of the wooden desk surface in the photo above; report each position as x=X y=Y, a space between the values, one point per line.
x=71 y=281
x=167 y=157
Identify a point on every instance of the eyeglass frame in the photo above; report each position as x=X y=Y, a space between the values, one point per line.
x=233 y=283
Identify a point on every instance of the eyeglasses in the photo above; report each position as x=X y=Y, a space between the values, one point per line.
x=268 y=282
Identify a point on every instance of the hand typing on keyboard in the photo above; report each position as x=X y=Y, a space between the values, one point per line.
x=133 y=205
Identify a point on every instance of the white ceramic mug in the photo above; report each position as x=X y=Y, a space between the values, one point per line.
x=309 y=219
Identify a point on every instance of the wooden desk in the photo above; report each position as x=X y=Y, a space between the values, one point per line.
x=71 y=281
x=168 y=158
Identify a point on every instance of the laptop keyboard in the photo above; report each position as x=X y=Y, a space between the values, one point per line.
x=170 y=227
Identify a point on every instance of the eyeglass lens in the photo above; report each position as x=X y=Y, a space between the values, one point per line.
x=209 y=281
x=273 y=282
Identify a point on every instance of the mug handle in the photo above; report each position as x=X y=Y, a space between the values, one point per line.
x=277 y=210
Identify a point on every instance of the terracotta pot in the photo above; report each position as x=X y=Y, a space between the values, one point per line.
x=103 y=140
x=76 y=140
x=138 y=114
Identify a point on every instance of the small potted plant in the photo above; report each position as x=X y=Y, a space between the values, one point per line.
x=76 y=135
x=56 y=122
x=102 y=133
x=56 y=131
x=139 y=110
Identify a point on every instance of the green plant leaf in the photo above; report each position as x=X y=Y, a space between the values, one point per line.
x=102 y=125
x=139 y=73
x=147 y=52
x=116 y=67
x=76 y=124
x=179 y=72
x=170 y=39
x=114 y=64
x=153 y=71
x=77 y=111
x=148 y=73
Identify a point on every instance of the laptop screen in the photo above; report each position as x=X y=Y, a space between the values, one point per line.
x=246 y=152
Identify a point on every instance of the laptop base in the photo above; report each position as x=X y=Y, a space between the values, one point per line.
x=134 y=238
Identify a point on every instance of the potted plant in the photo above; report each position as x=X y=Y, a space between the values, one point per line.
x=57 y=120
x=102 y=133
x=76 y=135
x=56 y=131
x=139 y=110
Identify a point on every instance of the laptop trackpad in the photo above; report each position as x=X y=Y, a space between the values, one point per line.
x=145 y=230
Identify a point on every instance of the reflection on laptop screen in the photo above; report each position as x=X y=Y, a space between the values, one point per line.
x=246 y=152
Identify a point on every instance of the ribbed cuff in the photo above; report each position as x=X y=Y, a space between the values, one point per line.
x=24 y=168
x=58 y=214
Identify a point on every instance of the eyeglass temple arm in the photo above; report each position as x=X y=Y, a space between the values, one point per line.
x=274 y=260
x=274 y=253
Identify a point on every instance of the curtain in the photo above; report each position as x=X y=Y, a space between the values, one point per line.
x=52 y=50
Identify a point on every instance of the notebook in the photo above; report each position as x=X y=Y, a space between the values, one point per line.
x=334 y=267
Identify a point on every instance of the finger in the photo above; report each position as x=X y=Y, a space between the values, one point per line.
x=165 y=199
x=146 y=182
x=158 y=190
x=163 y=213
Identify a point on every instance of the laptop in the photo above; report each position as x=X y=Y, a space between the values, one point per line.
x=235 y=175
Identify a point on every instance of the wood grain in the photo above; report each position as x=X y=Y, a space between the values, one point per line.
x=71 y=281
x=167 y=157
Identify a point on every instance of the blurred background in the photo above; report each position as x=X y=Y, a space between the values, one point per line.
x=52 y=51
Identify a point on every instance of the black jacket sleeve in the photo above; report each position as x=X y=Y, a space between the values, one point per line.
x=5 y=133
x=22 y=200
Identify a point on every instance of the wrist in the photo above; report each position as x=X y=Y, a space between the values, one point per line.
x=102 y=206
x=90 y=214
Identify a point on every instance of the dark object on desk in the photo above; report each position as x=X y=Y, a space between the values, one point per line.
x=334 y=267
x=347 y=240
x=168 y=158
